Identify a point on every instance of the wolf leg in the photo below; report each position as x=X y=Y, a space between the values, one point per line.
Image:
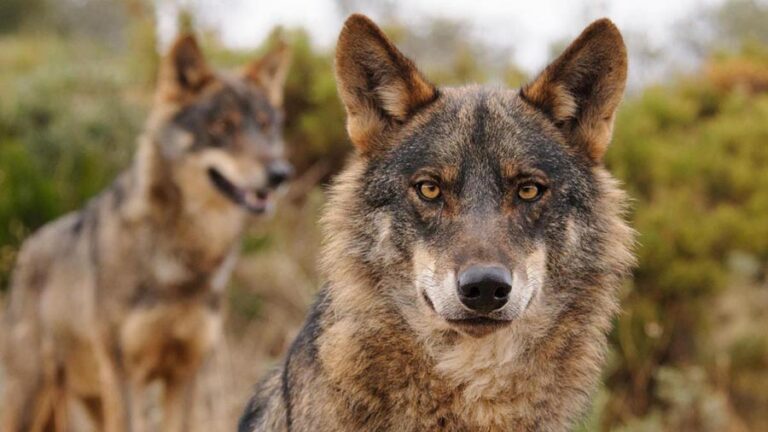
x=54 y=416
x=57 y=389
x=93 y=408
x=178 y=401
x=61 y=409
x=27 y=401
x=137 y=412
x=52 y=412
x=26 y=405
x=34 y=406
x=114 y=392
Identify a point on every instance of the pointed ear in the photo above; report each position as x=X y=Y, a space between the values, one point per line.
x=379 y=87
x=270 y=71
x=183 y=72
x=582 y=88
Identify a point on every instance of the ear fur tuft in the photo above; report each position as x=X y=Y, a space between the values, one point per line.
x=379 y=86
x=581 y=89
x=184 y=71
x=271 y=71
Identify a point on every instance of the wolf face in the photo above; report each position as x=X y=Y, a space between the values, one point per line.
x=486 y=201
x=220 y=134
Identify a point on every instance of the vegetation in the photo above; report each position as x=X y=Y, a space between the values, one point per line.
x=693 y=156
x=689 y=352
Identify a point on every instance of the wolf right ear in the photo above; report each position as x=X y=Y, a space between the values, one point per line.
x=183 y=71
x=379 y=86
x=271 y=70
x=582 y=88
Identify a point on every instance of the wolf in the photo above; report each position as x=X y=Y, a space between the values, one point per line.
x=129 y=289
x=474 y=247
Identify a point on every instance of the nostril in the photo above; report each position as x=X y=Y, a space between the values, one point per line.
x=484 y=288
x=278 y=173
x=276 y=178
x=502 y=292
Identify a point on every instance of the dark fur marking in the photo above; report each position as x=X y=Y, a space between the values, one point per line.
x=38 y=278
x=252 y=413
x=260 y=121
x=118 y=194
x=547 y=112
x=305 y=342
x=77 y=226
x=150 y=293
x=286 y=389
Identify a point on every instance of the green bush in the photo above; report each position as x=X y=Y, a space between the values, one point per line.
x=694 y=157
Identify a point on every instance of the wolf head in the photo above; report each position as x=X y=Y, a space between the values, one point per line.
x=218 y=136
x=480 y=201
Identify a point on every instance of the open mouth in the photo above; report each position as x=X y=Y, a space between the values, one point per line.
x=254 y=200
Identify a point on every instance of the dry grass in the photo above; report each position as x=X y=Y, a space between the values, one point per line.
x=250 y=348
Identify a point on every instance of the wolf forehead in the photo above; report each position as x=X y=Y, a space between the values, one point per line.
x=229 y=97
x=485 y=133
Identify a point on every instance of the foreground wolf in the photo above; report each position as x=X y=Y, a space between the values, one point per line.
x=475 y=244
x=129 y=289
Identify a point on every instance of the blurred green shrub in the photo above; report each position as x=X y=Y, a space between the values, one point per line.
x=694 y=156
x=67 y=125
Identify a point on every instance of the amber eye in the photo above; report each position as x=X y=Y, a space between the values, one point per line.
x=529 y=191
x=428 y=190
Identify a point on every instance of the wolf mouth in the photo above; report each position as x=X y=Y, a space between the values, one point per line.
x=473 y=325
x=479 y=326
x=255 y=201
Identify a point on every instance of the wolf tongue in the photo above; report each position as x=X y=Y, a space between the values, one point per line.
x=251 y=198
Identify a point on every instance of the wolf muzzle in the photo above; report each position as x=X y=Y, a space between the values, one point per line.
x=255 y=200
x=278 y=172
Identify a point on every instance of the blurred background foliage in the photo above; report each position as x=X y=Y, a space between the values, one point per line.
x=690 y=350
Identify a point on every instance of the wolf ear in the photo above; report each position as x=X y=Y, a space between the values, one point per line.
x=271 y=70
x=582 y=88
x=379 y=87
x=183 y=71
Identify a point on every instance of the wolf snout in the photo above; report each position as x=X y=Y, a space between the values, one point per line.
x=278 y=172
x=484 y=289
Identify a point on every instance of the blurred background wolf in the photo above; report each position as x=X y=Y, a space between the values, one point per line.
x=688 y=352
x=146 y=262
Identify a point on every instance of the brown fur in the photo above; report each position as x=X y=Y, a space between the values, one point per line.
x=128 y=290
x=582 y=88
x=364 y=52
x=388 y=346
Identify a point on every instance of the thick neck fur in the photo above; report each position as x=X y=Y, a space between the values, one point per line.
x=538 y=373
x=194 y=231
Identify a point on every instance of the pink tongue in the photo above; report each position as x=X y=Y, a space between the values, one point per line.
x=252 y=199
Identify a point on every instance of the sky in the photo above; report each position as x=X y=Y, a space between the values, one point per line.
x=528 y=26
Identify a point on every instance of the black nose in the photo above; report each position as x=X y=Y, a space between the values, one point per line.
x=278 y=172
x=485 y=288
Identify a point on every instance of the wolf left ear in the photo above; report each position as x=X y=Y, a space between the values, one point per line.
x=271 y=70
x=183 y=71
x=582 y=88
x=379 y=86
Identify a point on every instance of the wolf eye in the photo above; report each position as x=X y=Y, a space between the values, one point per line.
x=428 y=190
x=529 y=191
x=262 y=119
x=225 y=126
